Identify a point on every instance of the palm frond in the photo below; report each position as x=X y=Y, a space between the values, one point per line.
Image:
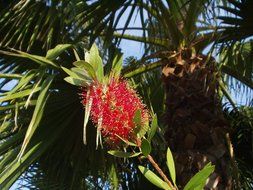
x=241 y=123
x=236 y=66
x=235 y=47
x=237 y=25
x=41 y=106
x=39 y=25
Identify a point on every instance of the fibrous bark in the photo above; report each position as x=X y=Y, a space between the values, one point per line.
x=196 y=126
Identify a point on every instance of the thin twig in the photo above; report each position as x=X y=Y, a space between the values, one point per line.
x=158 y=169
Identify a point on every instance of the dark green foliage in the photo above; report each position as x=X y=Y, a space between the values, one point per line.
x=238 y=24
x=241 y=120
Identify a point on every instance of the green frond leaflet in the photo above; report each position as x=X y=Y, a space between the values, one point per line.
x=117 y=65
x=37 y=114
x=52 y=54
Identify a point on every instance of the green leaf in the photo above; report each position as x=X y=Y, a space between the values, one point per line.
x=76 y=77
x=52 y=54
x=80 y=64
x=154 y=126
x=88 y=67
x=37 y=114
x=145 y=147
x=76 y=82
x=93 y=58
x=142 y=131
x=141 y=128
x=117 y=64
x=171 y=166
x=122 y=154
x=82 y=73
x=153 y=178
x=113 y=177
x=198 y=181
x=76 y=55
x=70 y=73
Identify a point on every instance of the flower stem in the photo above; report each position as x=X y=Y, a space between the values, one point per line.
x=155 y=165
x=158 y=169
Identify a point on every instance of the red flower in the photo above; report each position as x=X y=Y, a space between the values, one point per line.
x=115 y=104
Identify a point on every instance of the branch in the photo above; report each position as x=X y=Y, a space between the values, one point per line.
x=158 y=169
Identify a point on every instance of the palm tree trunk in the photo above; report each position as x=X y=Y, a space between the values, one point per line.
x=196 y=126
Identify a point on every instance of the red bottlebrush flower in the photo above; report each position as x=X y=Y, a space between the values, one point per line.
x=114 y=105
